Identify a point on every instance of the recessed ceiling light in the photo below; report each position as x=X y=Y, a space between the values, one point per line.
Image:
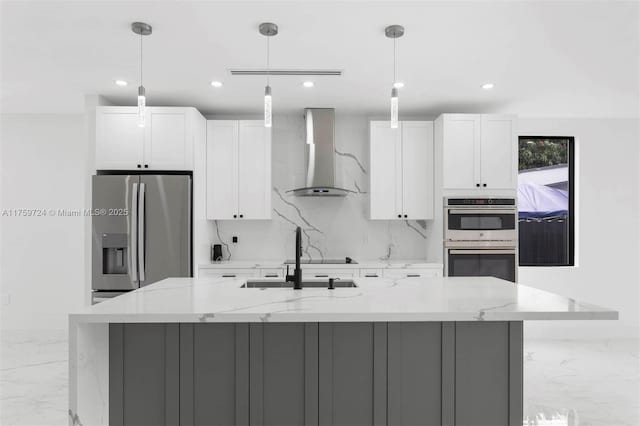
x=487 y=86
x=120 y=82
x=308 y=84
x=216 y=84
x=398 y=85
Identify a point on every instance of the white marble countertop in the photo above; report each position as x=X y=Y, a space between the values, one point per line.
x=259 y=264
x=375 y=299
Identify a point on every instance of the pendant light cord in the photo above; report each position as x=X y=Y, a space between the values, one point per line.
x=394 y=62
x=268 y=69
x=141 y=60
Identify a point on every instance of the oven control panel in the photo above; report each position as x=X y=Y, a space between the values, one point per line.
x=477 y=202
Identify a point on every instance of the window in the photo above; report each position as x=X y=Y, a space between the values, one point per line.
x=546 y=200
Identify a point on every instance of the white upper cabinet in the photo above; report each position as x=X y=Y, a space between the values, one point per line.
x=499 y=152
x=222 y=169
x=401 y=162
x=165 y=143
x=238 y=170
x=480 y=152
x=254 y=170
x=461 y=162
x=417 y=169
x=385 y=164
x=118 y=139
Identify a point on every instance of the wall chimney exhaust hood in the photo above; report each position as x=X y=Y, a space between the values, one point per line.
x=320 y=146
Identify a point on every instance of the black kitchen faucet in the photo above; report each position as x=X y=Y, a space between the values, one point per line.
x=296 y=278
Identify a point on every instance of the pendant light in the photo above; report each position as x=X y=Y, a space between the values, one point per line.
x=268 y=30
x=394 y=32
x=141 y=29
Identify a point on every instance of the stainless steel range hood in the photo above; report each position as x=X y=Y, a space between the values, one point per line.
x=320 y=148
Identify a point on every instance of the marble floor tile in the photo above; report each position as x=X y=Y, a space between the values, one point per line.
x=567 y=382
x=582 y=383
x=33 y=378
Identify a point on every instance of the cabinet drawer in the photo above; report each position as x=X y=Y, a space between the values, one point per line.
x=371 y=273
x=412 y=273
x=272 y=273
x=328 y=273
x=227 y=273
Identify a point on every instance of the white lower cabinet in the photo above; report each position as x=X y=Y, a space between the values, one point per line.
x=371 y=273
x=272 y=273
x=321 y=273
x=396 y=273
x=228 y=273
x=326 y=273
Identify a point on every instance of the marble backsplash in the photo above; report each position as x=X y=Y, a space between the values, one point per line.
x=333 y=227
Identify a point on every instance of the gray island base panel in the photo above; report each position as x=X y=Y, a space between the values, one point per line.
x=316 y=374
x=204 y=351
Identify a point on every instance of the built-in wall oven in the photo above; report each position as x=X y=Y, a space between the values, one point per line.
x=481 y=237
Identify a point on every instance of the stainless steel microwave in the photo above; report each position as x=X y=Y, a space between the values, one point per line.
x=480 y=219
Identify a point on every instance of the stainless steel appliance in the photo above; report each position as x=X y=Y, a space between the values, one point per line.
x=321 y=152
x=141 y=231
x=481 y=237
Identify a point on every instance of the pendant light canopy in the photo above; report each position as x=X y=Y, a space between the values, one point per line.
x=141 y=29
x=268 y=29
x=394 y=32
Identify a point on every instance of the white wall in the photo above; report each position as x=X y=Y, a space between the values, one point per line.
x=607 y=231
x=43 y=167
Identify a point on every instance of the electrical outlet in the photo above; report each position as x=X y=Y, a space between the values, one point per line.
x=5 y=299
x=234 y=239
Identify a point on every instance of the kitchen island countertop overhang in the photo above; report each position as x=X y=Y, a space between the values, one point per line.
x=374 y=299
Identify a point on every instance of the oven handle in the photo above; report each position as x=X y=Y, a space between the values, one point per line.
x=488 y=211
x=483 y=251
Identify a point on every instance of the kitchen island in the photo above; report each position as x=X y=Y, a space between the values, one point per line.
x=429 y=351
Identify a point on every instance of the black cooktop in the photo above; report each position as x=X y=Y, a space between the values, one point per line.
x=344 y=261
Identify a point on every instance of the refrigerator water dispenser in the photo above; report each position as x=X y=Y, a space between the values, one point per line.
x=114 y=254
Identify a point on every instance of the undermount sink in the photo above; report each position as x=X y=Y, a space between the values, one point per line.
x=306 y=283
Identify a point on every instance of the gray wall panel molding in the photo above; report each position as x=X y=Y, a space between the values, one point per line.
x=516 y=380
x=448 y=373
x=187 y=400
x=116 y=374
x=313 y=374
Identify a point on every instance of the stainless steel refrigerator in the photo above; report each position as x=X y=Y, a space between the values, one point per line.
x=141 y=231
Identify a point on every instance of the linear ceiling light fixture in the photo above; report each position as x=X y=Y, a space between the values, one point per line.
x=141 y=29
x=268 y=29
x=394 y=32
x=286 y=72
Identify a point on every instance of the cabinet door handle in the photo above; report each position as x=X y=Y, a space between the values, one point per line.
x=321 y=276
x=139 y=166
x=484 y=184
x=228 y=275
x=235 y=216
x=477 y=185
x=371 y=275
x=405 y=215
x=400 y=215
x=271 y=276
x=241 y=216
x=413 y=275
x=146 y=166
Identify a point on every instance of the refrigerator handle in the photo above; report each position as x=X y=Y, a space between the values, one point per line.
x=133 y=235
x=141 y=226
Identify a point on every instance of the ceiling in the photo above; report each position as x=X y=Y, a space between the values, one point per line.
x=572 y=59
